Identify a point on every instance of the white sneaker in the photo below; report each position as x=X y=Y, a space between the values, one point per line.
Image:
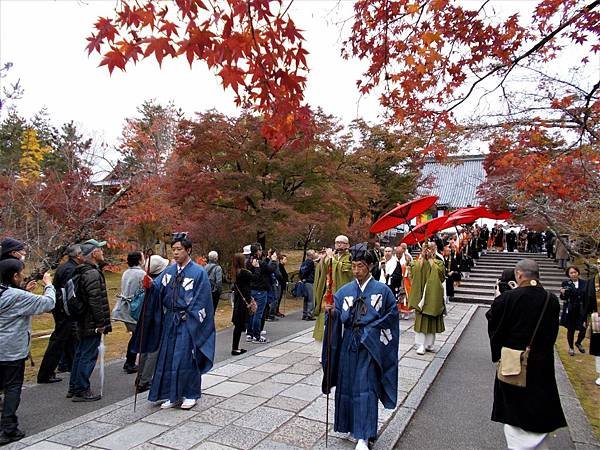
x=188 y=403
x=362 y=445
x=429 y=348
x=248 y=338
x=421 y=350
x=168 y=404
x=598 y=381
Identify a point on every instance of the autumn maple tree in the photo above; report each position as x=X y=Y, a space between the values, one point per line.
x=253 y=46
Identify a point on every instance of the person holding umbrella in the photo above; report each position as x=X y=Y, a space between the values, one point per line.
x=427 y=297
x=92 y=323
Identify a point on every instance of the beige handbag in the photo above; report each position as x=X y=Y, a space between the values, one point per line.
x=512 y=367
x=595 y=323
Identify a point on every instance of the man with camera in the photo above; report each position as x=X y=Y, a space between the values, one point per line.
x=259 y=289
x=63 y=340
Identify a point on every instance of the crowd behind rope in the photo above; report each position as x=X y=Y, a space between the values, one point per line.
x=151 y=288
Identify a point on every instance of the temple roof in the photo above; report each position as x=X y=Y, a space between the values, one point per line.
x=454 y=181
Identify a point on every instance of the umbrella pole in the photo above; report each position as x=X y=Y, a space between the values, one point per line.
x=101 y=350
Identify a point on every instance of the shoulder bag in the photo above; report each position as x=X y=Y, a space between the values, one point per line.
x=252 y=306
x=512 y=367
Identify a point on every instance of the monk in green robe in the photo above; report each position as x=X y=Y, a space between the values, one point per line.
x=427 y=297
x=341 y=269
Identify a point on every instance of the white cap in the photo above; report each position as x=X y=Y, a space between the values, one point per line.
x=246 y=250
x=157 y=264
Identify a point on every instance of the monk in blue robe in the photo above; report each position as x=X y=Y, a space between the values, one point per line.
x=178 y=320
x=362 y=358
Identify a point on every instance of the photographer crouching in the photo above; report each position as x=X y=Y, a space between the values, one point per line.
x=16 y=308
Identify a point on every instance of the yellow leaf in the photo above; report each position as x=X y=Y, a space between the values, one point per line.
x=412 y=8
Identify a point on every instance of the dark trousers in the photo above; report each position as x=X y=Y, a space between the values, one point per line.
x=83 y=364
x=61 y=347
x=131 y=355
x=216 y=296
x=571 y=336
x=11 y=381
x=237 y=334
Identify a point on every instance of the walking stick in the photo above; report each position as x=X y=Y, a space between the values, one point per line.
x=147 y=285
x=328 y=298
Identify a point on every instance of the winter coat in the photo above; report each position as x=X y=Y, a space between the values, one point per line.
x=92 y=289
x=511 y=321
x=64 y=273
x=561 y=250
x=575 y=306
x=241 y=301
x=16 y=308
x=262 y=279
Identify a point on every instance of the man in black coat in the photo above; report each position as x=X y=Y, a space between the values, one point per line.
x=528 y=413
x=93 y=322
x=63 y=339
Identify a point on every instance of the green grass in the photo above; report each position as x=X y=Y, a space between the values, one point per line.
x=581 y=370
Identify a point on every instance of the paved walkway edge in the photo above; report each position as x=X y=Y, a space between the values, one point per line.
x=38 y=437
x=580 y=429
x=390 y=436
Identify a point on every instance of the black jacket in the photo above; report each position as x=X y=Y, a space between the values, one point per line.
x=92 y=288
x=64 y=272
x=262 y=275
x=511 y=321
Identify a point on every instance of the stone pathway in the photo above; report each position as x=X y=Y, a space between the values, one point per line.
x=270 y=399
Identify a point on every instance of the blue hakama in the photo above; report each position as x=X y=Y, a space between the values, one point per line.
x=179 y=321
x=364 y=356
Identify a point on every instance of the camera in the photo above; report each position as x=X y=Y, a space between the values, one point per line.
x=36 y=275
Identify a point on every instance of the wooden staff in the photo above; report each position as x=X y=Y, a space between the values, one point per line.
x=328 y=299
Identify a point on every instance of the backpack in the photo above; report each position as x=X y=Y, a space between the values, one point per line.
x=135 y=305
x=304 y=270
x=212 y=277
x=299 y=290
x=73 y=304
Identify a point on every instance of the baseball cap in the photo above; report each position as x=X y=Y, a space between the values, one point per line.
x=90 y=245
x=246 y=250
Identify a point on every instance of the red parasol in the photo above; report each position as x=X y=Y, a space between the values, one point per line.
x=470 y=211
x=403 y=213
x=503 y=215
x=481 y=212
x=421 y=232
x=460 y=219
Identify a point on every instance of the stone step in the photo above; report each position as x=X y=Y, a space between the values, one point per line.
x=497 y=272
x=476 y=284
x=466 y=298
x=487 y=263
x=488 y=290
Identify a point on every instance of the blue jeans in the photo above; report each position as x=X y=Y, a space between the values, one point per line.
x=261 y=302
x=272 y=300
x=83 y=364
x=309 y=301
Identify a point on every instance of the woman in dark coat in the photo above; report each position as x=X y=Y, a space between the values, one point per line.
x=575 y=308
x=242 y=299
x=532 y=411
